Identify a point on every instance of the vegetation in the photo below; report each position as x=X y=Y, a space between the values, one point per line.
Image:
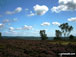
x=34 y=48
x=43 y=35
x=58 y=35
x=0 y=35
x=66 y=29
x=71 y=37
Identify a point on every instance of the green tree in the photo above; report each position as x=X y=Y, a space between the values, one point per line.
x=66 y=29
x=43 y=35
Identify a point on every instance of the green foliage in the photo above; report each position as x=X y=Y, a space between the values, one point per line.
x=43 y=35
x=71 y=37
x=66 y=29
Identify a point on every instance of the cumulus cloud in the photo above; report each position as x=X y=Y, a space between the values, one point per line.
x=27 y=27
x=40 y=10
x=56 y=23
x=17 y=10
x=65 y=5
x=6 y=21
x=45 y=24
x=11 y=28
x=1 y=25
x=10 y=12
x=9 y=20
x=72 y=19
x=59 y=8
x=31 y=14
x=18 y=28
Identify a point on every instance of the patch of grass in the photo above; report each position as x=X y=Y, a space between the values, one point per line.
x=62 y=42
x=2 y=46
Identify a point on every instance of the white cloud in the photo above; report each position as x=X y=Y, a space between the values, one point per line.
x=59 y=8
x=31 y=14
x=17 y=10
x=9 y=20
x=45 y=24
x=18 y=28
x=6 y=21
x=11 y=28
x=72 y=19
x=10 y=32
x=65 y=5
x=40 y=10
x=27 y=27
x=9 y=12
x=1 y=25
x=56 y=23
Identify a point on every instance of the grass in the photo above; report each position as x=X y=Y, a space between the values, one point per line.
x=62 y=42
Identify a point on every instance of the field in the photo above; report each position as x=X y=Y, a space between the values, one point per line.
x=34 y=48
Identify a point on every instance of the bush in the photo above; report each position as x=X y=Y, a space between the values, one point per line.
x=71 y=37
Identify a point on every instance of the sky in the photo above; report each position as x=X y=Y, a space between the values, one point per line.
x=28 y=17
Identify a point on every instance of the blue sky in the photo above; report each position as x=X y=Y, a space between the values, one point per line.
x=28 y=17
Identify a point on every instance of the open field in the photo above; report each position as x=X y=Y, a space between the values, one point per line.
x=34 y=48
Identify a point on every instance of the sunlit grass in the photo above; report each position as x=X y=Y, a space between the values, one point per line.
x=62 y=42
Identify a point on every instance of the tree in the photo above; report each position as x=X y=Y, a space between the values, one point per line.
x=43 y=35
x=66 y=29
x=70 y=29
x=58 y=35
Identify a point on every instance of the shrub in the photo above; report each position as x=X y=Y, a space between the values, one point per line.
x=71 y=37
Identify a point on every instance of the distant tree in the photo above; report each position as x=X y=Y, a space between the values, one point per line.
x=58 y=35
x=71 y=37
x=66 y=29
x=43 y=35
